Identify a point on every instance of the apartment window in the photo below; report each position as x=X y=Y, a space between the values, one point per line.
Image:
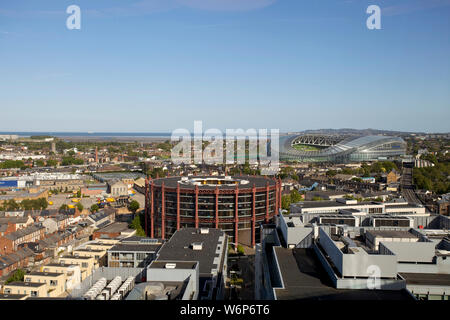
x=27 y=280
x=53 y=282
x=84 y=265
x=141 y=256
x=127 y=265
x=7 y=291
x=34 y=293
x=127 y=256
x=115 y=256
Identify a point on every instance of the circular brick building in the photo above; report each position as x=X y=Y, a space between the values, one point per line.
x=237 y=205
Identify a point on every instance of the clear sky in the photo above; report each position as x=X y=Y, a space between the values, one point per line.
x=158 y=65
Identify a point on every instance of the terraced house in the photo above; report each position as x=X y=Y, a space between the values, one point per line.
x=17 y=222
x=13 y=261
x=10 y=242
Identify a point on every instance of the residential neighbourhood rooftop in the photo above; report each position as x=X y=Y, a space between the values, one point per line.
x=135 y=247
x=26 y=284
x=44 y=274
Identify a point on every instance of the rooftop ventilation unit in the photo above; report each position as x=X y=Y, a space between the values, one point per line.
x=197 y=246
x=171 y=265
x=346 y=201
x=204 y=230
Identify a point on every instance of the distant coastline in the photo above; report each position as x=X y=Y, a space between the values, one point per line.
x=98 y=136
x=89 y=134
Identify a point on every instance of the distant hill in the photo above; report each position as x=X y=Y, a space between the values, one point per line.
x=358 y=132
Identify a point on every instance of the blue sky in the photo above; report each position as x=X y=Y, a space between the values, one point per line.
x=158 y=65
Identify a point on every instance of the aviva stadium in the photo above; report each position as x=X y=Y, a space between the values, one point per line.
x=340 y=149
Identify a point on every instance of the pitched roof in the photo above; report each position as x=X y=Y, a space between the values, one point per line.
x=15 y=257
x=23 y=232
x=15 y=220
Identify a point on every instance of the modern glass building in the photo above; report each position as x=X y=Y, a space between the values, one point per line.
x=354 y=149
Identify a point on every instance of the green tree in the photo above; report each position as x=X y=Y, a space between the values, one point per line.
x=165 y=146
x=94 y=208
x=40 y=163
x=64 y=207
x=26 y=204
x=295 y=196
x=79 y=206
x=43 y=203
x=134 y=206
x=136 y=224
x=10 y=164
x=286 y=202
x=430 y=157
x=67 y=161
x=12 y=205
x=157 y=172
x=18 y=275
x=240 y=250
x=52 y=163
x=331 y=173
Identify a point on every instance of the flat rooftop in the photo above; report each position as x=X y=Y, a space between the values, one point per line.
x=88 y=250
x=179 y=248
x=305 y=279
x=46 y=298
x=391 y=234
x=76 y=257
x=389 y=216
x=26 y=284
x=118 y=175
x=138 y=292
x=258 y=181
x=139 y=239
x=299 y=271
x=114 y=227
x=434 y=279
x=99 y=244
x=351 y=210
x=332 y=203
x=157 y=264
x=12 y=296
x=136 y=247
x=44 y=274
x=60 y=265
x=402 y=206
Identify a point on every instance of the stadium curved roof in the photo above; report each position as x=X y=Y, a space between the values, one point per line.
x=385 y=146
